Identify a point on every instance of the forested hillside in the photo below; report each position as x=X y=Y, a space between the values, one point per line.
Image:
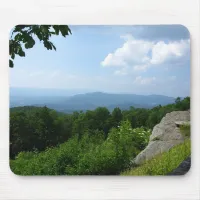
x=44 y=141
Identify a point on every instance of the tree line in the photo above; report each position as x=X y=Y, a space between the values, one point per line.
x=38 y=128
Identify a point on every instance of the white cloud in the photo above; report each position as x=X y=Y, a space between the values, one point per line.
x=140 y=67
x=139 y=55
x=162 y=52
x=132 y=52
x=144 y=81
x=113 y=60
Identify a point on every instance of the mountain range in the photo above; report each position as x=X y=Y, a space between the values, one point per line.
x=65 y=101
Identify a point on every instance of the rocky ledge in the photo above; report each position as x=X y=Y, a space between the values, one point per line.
x=165 y=135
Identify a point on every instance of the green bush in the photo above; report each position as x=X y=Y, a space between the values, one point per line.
x=88 y=155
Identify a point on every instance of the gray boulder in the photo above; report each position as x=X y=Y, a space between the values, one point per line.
x=165 y=135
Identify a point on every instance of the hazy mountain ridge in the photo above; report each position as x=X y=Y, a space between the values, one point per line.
x=89 y=101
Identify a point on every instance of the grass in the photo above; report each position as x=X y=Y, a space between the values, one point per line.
x=165 y=163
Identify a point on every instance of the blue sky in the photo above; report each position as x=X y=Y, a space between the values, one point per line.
x=117 y=59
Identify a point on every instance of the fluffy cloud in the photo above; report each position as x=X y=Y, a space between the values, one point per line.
x=162 y=52
x=133 y=52
x=139 y=55
x=114 y=60
x=140 y=67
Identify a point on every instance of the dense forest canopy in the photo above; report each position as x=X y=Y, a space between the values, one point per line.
x=98 y=142
x=35 y=128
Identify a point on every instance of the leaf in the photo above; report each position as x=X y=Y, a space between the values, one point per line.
x=53 y=46
x=13 y=56
x=11 y=64
x=69 y=29
x=44 y=29
x=39 y=36
x=10 y=49
x=21 y=53
x=30 y=44
x=63 y=30
x=18 y=36
x=19 y=28
x=56 y=28
x=27 y=46
x=36 y=31
x=23 y=38
x=47 y=45
x=27 y=38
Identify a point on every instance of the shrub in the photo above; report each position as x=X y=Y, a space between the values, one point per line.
x=88 y=155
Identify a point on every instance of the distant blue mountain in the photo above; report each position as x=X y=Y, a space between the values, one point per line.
x=61 y=100
x=14 y=91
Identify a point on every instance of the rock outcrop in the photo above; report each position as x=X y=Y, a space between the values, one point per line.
x=165 y=135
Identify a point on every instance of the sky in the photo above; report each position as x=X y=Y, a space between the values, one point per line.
x=116 y=59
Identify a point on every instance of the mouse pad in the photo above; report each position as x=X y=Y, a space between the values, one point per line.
x=99 y=100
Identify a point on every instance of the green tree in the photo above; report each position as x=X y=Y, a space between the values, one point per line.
x=141 y=117
x=130 y=115
x=178 y=103
x=79 y=126
x=178 y=100
x=186 y=103
x=102 y=116
x=36 y=128
x=22 y=36
x=19 y=139
x=116 y=117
